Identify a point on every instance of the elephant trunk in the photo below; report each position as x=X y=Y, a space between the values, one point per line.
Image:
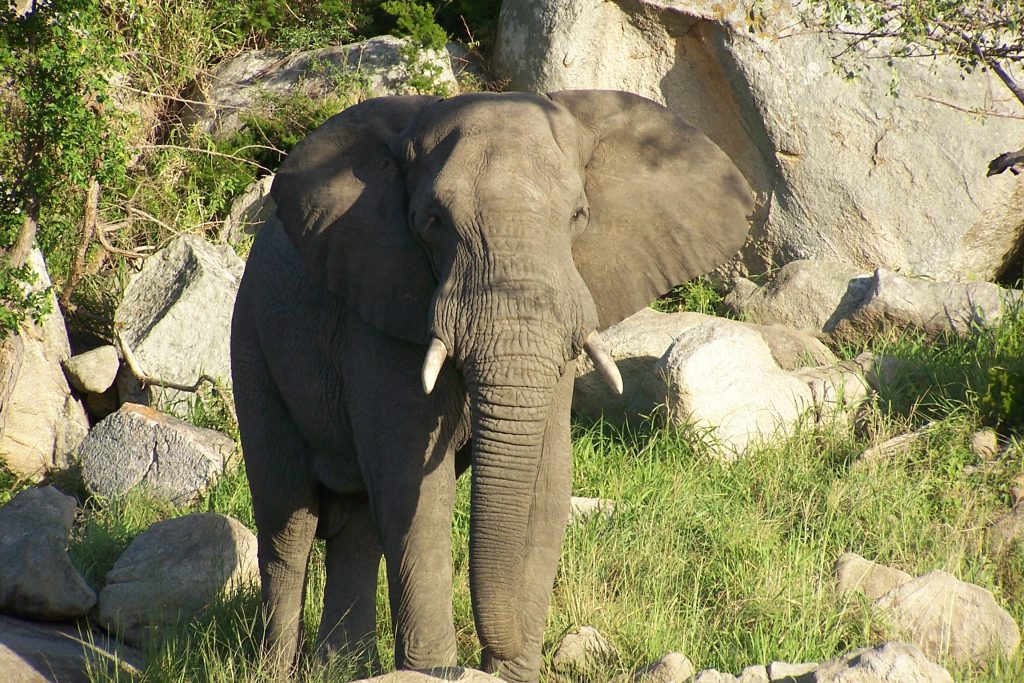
x=509 y=403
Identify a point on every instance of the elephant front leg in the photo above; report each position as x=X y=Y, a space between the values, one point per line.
x=406 y=442
x=545 y=534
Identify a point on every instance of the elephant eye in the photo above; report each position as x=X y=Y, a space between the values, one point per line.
x=578 y=214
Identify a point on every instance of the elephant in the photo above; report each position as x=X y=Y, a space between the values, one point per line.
x=414 y=309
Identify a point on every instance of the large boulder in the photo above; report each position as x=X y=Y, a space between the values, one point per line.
x=137 y=447
x=893 y=662
x=176 y=319
x=638 y=343
x=37 y=579
x=842 y=170
x=721 y=377
x=32 y=652
x=242 y=84
x=804 y=294
x=41 y=422
x=945 y=617
x=173 y=571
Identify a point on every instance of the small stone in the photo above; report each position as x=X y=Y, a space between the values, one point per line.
x=781 y=671
x=37 y=579
x=873 y=580
x=985 y=444
x=581 y=508
x=93 y=372
x=432 y=676
x=172 y=571
x=583 y=650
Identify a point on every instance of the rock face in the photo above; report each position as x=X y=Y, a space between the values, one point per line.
x=41 y=423
x=638 y=343
x=37 y=579
x=887 y=663
x=176 y=318
x=31 y=652
x=139 y=447
x=842 y=170
x=672 y=668
x=172 y=571
x=372 y=68
x=723 y=377
x=1006 y=531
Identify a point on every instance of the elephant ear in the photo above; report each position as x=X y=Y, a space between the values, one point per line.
x=341 y=196
x=666 y=204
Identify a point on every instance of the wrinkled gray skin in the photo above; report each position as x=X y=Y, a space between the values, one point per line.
x=508 y=227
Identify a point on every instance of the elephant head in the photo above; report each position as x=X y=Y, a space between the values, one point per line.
x=501 y=231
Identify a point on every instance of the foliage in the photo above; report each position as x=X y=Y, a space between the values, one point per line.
x=57 y=130
x=978 y=33
x=416 y=23
x=287 y=23
x=982 y=373
x=698 y=295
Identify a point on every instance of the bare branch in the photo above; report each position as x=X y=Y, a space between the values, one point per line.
x=90 y=210
x=210 y=152
x=133 y=365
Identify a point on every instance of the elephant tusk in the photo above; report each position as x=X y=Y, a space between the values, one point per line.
x=436 y=355
x=598 y=352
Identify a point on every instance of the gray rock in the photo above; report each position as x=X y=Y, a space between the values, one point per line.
x=804 y=294
x=890 y=448
x=248 y=211
x=37 y=579
x=836 y=390
x=946 y=617
x=985 y=444
x=32 y=652
x=371 y=68
x=581 y=508
x=713 y=676
x=583 y=650
x=721 y=376
x=172 y=571
x=93 y=371
x=842 y=170
x=137 y=447
x=754 y=674
x=886 y=663
x=854 y=574
x=1005 y=531
x=432 y=676
x=672 y=668
x=781 y=671
x=637 y=345
x=176 y=318
x=895 y=302
x=41 y=423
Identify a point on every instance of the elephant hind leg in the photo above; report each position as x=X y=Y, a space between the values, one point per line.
x=348 y=629
x=285 y=501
